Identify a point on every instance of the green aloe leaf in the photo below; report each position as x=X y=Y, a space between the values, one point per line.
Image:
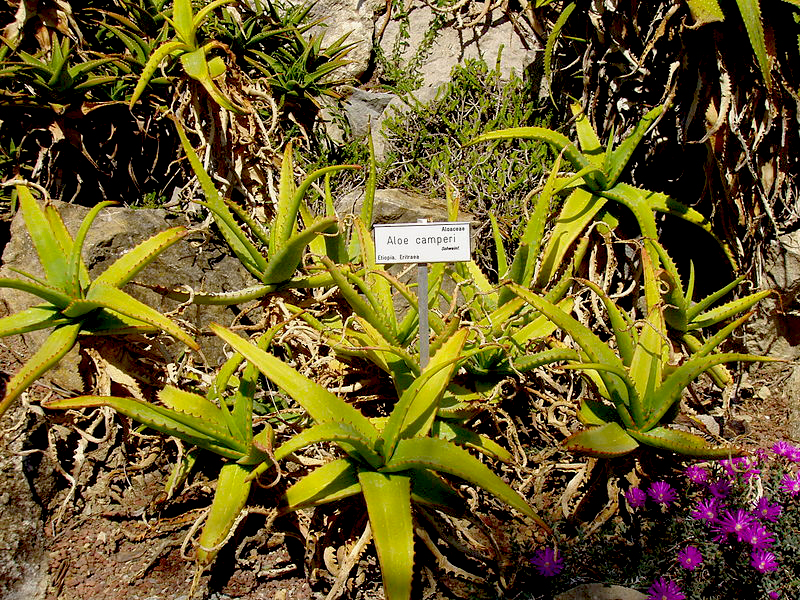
x=605 y=441
x=116 y=300
x=705 y=11
x=195 y=406
x=621 y=323
x=60 y=341
x=47 y=293
x=31 y=319
x=369 y=309
x=462 y=436
x=592 y=412
x=671 y=389
x=332 y=431
x=333 y=481
x=204 y=434
x=234 y=236
x=579 y=209
x=754 y=23
x=684 y=443
x=75 y=260
x=196 y=66
x=414 y=413
x=322 y=405
x=233 y=489
x=388 y=498
x=558 y=141
x=727 y=310
x=156 y=58
x=51 y=256
x=430 y=489
x=620 y=389
x=618 y=159
x=439 y=455
x=283 y=264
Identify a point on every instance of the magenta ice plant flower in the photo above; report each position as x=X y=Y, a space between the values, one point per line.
x=767 y=511
x=662 y=492
x=548 y=562
x=758 y=536
x=736 y=522
x=706 y=509
x=720 y=488
x=697 y=474
x=791 y=484
x=690 y=557
x=665 y=589
x=636 y=497
x=782 y=448
x=763 y=561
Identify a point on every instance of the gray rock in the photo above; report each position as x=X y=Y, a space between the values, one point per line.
x=453 y=46
x=23 y=553
x=599 y=591
x=203 y=266
x=775 y=331
x=354 y=18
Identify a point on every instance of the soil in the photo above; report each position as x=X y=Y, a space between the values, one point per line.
x=108 y=530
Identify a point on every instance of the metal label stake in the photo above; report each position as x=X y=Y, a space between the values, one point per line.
x=422 y=243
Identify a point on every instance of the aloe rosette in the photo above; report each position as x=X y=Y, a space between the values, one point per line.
x=210 y=424
x=393 y=462
x=638 y=386
x=73 y=304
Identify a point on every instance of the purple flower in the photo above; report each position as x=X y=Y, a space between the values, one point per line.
x=758 y=537
x=741 y=465
x=697 y=474
x=662 y=492
x=791 y=485
x=690 y=557
x=766 y=511
x=635 y=497
x=548 y=562
x=706 y=510
x=763 y=561
x=782 y=448
x=774 y=595
x=734 y=522
x=761 y=455
x=720 y=488
x=665 y=589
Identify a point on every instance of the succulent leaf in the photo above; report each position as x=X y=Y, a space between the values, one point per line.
x=60 y=341
x=388 y=498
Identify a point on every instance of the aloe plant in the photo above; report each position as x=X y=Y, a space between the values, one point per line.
x=73 y=304
x=193 y=56
x=208 y=423
x=50 y=79
x=597 y=175
x=687 y=318
x=282 y=246
x=638 y=386
x=394 y=463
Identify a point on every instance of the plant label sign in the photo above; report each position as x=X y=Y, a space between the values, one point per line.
x=448 y=241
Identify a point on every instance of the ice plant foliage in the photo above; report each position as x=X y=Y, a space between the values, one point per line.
x=738 y=537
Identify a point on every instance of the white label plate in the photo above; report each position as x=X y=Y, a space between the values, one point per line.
x=448 y=241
